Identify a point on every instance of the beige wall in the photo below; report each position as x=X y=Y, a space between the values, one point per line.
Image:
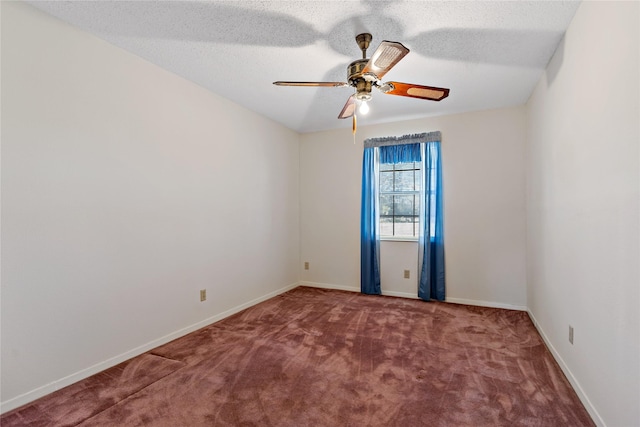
x=582 y=208
x=484 y=208
x=126 y=190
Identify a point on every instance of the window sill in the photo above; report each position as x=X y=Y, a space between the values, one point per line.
x=399 y=239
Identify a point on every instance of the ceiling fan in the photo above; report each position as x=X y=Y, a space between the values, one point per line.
x=364 y=74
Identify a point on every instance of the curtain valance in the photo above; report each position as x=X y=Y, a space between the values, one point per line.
x=405 y=139
x=404 y=153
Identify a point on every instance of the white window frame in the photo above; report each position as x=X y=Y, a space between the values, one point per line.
x=417 y=166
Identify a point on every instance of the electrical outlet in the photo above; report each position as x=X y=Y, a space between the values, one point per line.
x=306 y=265
x=571 y=334
x=203 y=294
x=407 y=274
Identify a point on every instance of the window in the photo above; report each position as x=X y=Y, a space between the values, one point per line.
x=399 y=200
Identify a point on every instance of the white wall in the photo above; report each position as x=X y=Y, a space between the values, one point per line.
x=126 y=190
x=582 y=208
x=395 y=258
x=484 y=206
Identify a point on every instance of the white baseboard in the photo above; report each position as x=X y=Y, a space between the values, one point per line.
x=355 y=289
x=567 y=372
x=39 y=392
x=491 y=304
x=400 y=294
x=330 y=286
x=414 y=296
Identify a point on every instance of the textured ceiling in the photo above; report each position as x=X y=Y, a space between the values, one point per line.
x=490 y=54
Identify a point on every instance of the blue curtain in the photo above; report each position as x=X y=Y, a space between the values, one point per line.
x=369 y=240
x=431 y=283
x=409 y=148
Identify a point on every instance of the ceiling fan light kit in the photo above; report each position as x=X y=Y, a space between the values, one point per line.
x=364 y=107
x=365 y=74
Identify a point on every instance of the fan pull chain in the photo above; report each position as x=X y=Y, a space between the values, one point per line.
x=354 y=128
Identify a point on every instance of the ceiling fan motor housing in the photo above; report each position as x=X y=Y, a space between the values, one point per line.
x=362 y=82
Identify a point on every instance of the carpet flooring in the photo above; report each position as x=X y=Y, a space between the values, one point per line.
x=315 y=357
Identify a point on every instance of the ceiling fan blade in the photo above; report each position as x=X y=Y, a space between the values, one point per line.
x=385 y=57
x=312 y=84
x=349 y=108
x=415 y=91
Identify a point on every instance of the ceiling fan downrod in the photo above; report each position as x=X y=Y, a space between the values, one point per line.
x=363 y=41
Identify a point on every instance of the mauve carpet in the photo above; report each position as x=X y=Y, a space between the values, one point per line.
x=314 y=357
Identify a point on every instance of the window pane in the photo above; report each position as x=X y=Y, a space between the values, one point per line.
x=386 y=181
x=418 y=179
x=386 y=205
x=403 y=204
x=386 y=226
x=386 y=166
x=406 y=226
x=404 y=181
